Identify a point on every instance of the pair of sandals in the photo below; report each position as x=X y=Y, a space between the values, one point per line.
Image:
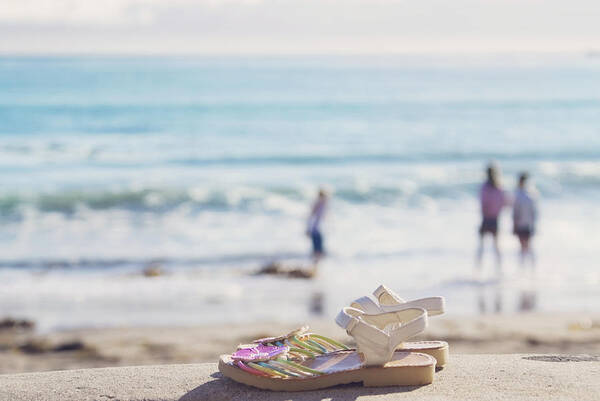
x=380 y=325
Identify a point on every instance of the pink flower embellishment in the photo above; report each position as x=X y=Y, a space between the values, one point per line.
x=259 y=353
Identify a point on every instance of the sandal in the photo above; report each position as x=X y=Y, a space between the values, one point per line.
x=303 y=361
x=386 y=300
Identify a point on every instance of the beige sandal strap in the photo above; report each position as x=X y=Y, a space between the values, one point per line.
x=378 y=335
x=386 y=300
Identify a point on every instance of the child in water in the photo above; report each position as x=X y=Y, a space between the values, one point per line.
x=313 y=229
x=524 y=218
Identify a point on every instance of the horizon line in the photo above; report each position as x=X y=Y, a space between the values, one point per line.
x=191 y=54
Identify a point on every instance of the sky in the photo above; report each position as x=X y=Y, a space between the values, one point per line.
x=297 y=26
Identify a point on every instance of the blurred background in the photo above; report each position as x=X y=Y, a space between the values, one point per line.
x=159 y=161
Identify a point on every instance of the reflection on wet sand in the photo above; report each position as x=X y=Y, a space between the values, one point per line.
x=316 y=306
x=528 y=301
x=498 y=298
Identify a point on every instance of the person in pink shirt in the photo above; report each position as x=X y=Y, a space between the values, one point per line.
x=492 y=199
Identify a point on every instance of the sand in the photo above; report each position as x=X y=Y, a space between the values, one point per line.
x=489 y=377
x=27 y=351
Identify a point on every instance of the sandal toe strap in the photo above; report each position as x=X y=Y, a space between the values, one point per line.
x=378 y=335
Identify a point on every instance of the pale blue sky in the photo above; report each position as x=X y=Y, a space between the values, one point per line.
x=297 y=26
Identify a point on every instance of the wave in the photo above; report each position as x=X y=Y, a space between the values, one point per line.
x=150 y=200
x=275 y=199
x=164 y=200
x=26 y=157
x=283 y=104
x=388 y=158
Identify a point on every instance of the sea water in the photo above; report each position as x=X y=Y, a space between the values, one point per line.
x=207 y=167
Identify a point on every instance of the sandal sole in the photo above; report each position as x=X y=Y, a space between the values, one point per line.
x=437 y=349
x=405 y=369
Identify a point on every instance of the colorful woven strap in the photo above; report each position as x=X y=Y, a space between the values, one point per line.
x=299 y=346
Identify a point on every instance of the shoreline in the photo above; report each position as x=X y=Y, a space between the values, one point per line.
x=27 y=351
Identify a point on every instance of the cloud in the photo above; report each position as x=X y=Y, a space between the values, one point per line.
x=103 y=12
x=66 y=11
x=297 y=26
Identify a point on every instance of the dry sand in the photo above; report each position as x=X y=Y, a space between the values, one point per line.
x=466 y=377
x=26 y=351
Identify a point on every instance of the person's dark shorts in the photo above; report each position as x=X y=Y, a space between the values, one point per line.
x=523 y=232
x=317 y=241
x=489 y=225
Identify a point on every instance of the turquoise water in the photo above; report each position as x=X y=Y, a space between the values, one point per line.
x=210 y=164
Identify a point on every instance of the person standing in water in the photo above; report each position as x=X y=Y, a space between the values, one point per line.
x=313 y=229
x=492 y=199
x=524 y=217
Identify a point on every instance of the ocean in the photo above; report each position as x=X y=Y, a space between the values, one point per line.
x=207 y=166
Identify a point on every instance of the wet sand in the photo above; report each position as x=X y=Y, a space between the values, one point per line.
x=26 y=351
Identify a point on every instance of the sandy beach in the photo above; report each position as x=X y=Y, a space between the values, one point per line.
x=482 y=376
x=26 y=351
